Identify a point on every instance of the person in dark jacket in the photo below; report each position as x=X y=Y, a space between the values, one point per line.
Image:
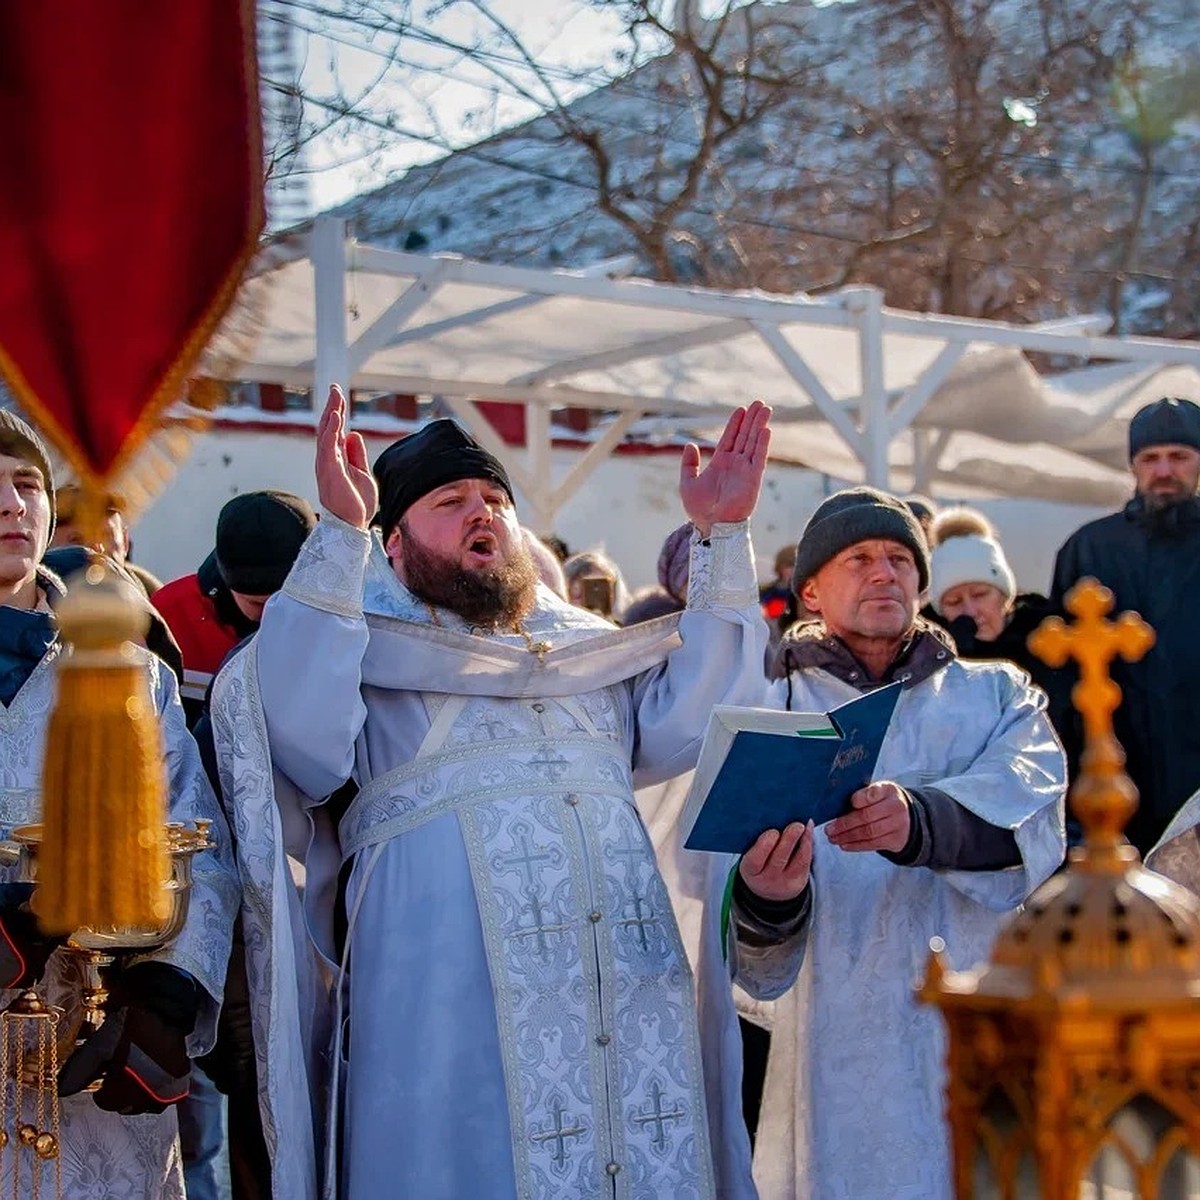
x=1148 y=554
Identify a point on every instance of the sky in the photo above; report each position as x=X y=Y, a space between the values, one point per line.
x=422 y=97
x=435 y=98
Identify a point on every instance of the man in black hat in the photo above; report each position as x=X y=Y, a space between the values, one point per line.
x=964 y=819
x=521 y=1017
x=1148 y=554
x=258 y=537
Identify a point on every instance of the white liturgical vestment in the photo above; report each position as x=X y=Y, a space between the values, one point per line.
x=517 y=1015
x=854 y=1096
x=104 y=1153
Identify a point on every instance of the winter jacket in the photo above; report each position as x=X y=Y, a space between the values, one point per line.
x=207 y=624
x=1151 y=562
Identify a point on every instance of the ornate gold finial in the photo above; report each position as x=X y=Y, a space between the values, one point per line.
x=1093 y=642
x=1103 y=797
x=1086 y=1017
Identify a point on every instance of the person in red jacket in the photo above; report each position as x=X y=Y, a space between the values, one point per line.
x=258 y=537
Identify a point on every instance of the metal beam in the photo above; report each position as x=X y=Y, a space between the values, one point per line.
x=928 y=448
x=804 y=375
x=537 y=440
x=797 y=309
x=906 y=410
x=329 y=281
x=1162 y=351
x=473 y=316
x=876 y=434
x=394 y=318
x=596 y=454
x=708 y=335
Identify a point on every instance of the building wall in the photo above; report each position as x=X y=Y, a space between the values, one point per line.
x=627 y=507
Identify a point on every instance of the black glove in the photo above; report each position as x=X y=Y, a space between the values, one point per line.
x=24 y=949
x=141 y=1049
x=963 y=630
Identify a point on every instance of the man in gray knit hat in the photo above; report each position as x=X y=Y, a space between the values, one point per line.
x=964 y=819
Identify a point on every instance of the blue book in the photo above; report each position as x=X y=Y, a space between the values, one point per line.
x=762 y=769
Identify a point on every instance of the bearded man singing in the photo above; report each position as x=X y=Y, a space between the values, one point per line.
x=514 y=1011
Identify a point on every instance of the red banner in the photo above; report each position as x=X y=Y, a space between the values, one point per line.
x=130 y=204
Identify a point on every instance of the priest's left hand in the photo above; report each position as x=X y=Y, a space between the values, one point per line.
x=727 y=488
x=881 y=819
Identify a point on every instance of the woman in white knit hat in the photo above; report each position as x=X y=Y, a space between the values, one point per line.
x=973 y=593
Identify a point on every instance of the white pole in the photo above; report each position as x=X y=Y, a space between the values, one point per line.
x=329 y=274
x=538 y=435
x=866 y=303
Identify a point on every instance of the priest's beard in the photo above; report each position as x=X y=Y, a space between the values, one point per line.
x=494 y=598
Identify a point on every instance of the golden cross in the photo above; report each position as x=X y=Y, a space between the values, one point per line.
x=1093 y=642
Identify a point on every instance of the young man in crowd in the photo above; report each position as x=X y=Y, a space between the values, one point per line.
x=258 y=537
x=122 y=1140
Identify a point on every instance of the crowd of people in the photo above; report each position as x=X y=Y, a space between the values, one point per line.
x=450 y=944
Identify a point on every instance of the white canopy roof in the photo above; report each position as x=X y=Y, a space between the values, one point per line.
x=328 y=309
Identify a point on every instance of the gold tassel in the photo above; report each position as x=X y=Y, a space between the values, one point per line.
x=102 y=859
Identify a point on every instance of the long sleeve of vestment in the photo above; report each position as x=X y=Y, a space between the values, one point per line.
x=1008 y=785
x=720 y=661
x=202 y=948
x=310 y=648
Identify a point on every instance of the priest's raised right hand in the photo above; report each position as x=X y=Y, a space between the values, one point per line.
x=345 y=485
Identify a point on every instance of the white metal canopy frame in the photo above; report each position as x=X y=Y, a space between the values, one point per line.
x=331 y=310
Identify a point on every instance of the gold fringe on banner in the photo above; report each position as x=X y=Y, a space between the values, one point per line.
x=102 y=860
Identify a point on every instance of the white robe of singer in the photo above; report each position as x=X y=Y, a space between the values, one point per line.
x=521 y=1018
x=104 y=1153
x=854 y=1096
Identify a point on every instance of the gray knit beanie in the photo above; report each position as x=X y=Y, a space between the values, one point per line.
x=855 y=515
x=19 y=440
x=1165 y=422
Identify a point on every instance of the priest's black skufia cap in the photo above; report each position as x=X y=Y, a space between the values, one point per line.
x=441 y=453
x=259 y=535
x=1166 y=422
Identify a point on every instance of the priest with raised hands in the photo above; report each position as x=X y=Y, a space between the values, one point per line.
x=513 y=1014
